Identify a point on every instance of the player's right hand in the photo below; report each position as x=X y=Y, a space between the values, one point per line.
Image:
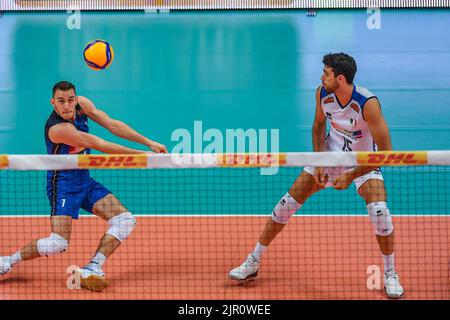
x=158 y=147
x=320 y=176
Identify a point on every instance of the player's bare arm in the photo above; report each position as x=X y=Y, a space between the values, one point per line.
x=319 y=131
x=117 y=127
x=380 y=133
x=319 y=126
x=66 y=133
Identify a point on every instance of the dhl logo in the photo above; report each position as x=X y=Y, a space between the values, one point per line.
x=251 y=159
x=392 y=158
x=4 y=163
x=112 y=161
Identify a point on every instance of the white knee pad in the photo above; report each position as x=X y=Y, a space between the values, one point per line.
x=52 y=245
x=380 y=217
x=284 y=209
x=121 y=226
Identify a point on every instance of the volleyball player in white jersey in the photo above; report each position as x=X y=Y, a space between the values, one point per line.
x=356 y=124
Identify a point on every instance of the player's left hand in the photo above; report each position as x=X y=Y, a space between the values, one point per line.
x=342 y=182
x=157 y=147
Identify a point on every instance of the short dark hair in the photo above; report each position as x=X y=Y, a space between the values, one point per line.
x=342 y=64
x=63 y=86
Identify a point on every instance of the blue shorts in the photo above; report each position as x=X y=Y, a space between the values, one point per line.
x=67 y=200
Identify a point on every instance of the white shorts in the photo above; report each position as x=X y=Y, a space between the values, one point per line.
x=334 y=172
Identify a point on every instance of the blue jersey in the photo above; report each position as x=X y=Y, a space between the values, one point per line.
x=69 y=177
x=70 y=190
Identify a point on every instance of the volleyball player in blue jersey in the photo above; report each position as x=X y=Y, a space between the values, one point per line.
x=67 y=132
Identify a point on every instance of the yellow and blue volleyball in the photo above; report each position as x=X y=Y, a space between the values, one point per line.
x=98 y=54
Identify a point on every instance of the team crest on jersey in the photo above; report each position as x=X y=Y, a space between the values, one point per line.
x=328 y=100
x=355 y=107
x=76 y=150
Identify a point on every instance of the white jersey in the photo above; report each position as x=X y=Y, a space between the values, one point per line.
x=348 y=128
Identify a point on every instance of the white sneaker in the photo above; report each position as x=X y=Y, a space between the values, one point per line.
x=5 y=265
x=247 y=271
x=92 y=278
x=392 y=286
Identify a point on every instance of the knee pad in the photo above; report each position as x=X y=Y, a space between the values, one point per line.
x=121 y=226
x=52 y=245
x=381 y=218
x=284 y=209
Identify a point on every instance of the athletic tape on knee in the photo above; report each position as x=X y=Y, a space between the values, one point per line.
x=52 y=245
x=381 y=218
x=284 y=209
x=121 y=226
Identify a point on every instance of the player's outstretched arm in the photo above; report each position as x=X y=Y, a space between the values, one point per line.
x=67 y=133
x=117 y=127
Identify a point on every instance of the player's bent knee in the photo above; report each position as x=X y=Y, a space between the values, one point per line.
x=285 y=209
x=121 y=226
x=52 y=245
x=381 y=218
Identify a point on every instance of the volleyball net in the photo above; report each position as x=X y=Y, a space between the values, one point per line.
x=44 y=5
x=199 y=216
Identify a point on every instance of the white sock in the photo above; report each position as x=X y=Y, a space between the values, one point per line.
x=389 y=266
x=99 y=259
x=259 y=250
x=16 y=258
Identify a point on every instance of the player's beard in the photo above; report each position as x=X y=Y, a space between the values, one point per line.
x=332 y=88
x=67 y=115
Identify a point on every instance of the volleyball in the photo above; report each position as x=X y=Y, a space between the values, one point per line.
x=98 y=54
